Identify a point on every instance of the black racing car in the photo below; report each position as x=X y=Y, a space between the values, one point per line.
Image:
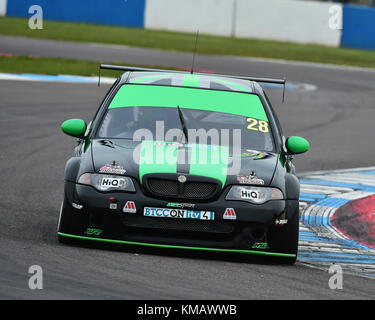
x=180 y=160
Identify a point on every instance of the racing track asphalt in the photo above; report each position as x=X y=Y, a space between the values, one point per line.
x=336 y=118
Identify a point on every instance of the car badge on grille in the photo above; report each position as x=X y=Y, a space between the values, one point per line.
x=181 y=179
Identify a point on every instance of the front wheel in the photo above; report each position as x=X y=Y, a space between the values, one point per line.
x=284 y=239
x=70 y=222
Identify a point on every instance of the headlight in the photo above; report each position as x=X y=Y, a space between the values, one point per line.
x=256 y=195
x=104 y=182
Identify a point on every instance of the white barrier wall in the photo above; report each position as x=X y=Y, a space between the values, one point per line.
x=296 y=21
x=3 y=7
x=283 y=20
x=208 y=16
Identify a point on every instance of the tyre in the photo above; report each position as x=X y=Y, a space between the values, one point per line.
x=284 y=239
x=70 y=222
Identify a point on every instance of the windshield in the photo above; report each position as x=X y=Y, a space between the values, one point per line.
x=185 y=114
x=203 y=127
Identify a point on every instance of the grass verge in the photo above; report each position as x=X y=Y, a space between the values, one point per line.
x=178 y=41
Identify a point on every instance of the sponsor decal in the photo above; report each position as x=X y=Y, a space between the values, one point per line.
x=260 y=245
x=109 y=182
x=113 y=168
x=281 y=221
x=167 y=143
x=130 y=207
x=250 y=179
x=255 y=154
x=77 y=206
x=230 y=214
x=202 y=146
x=180 y=205
x=249 y=194
x=178 y=213
x=93 y=232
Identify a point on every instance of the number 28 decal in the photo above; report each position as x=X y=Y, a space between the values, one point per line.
x=257 y=125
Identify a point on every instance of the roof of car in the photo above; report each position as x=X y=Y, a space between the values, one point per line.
x=185 y=79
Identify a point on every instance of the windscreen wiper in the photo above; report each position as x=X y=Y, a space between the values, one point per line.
x=182 y=119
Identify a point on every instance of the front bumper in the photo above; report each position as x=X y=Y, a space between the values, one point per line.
x=113 y=225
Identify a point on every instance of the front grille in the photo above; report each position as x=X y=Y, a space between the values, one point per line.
x=199 y=190
x=188 y=190
x=163 y=187
x=179 y=224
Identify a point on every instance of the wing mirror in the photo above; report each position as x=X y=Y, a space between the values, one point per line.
x=74 y=127
x=296 y=145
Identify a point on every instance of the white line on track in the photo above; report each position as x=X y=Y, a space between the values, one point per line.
x=305 y=64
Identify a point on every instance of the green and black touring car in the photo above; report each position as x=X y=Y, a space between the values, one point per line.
x=184 y=160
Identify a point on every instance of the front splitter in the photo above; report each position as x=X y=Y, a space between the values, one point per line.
x=155 y=245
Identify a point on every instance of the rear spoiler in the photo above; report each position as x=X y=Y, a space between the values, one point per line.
x=130 y=68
